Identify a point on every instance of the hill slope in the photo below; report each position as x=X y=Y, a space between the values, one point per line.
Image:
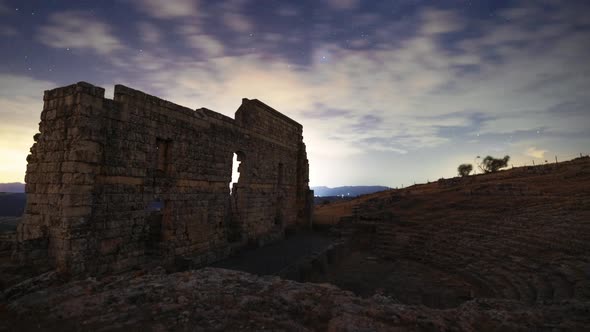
x=521 y=234
x=566 y=179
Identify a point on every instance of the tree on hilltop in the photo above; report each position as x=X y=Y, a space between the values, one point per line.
x=490 y=164
x=464 y=169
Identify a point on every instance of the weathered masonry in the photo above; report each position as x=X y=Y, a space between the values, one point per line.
x=113 y=184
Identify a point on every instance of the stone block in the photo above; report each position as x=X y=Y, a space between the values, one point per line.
x=76 y=211
x=110 y=246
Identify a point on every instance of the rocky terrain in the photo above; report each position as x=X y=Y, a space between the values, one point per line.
x=223 y=300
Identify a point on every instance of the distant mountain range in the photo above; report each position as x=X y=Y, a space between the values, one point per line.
x=15 y=187
x=347 y=190
x=13 y=204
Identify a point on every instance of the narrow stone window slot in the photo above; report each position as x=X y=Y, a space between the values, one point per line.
x=163 y=150
x=278 y=220
x=280 y=175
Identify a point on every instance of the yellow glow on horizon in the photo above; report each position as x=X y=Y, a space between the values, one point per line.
x=13 y=163
x=15 y=143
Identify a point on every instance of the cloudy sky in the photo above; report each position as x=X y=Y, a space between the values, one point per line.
x=388 y=92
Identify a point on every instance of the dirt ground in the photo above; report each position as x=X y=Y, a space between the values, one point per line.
x=405 y=281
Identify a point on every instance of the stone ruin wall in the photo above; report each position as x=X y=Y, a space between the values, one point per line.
x=113 y=184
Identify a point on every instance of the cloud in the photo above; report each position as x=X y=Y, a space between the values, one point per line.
x=195 y=38
x=209 y=46
x=359 y=42
x=570 y=107
x=4 y=8
x=323 y=112
x=287 y=11
x=386 y=144
x=149 y=33
x=390 y=88
x=298 y=91
x=535 y=153
x=403 y=96
x=8 y=31
x=437 y=21
x=272 y=37
x=148 y=61
x=343 y=4
x=169 y=9
x=237 y=22
x=367 y=19
x=367 y=123
x=232 y=13
x=81 y=30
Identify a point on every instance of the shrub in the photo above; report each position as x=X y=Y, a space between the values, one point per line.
x=490 y=164
x=464 y=169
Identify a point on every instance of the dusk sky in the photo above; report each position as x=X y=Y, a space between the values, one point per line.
x=388 y=92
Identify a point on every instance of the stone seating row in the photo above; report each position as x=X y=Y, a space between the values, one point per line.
x=508 y=261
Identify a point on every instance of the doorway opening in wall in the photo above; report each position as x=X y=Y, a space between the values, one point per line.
x=154 y=226
x=234 y=227
x=235 y=170
x=163 y=151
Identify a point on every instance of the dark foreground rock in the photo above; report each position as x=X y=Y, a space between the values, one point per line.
x=223 y=300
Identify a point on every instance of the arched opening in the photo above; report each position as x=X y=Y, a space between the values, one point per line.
x=234 y=227
x=235 y=172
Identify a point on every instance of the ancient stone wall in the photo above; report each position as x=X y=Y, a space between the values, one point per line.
x=112 y=184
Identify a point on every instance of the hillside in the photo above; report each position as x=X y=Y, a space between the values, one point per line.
x=521 y=234
x=529 y=181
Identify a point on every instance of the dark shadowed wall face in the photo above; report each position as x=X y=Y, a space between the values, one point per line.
x=112 y=184
x=389 y=92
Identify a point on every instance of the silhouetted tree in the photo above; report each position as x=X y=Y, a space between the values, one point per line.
x=464 y=169
x=490 y=164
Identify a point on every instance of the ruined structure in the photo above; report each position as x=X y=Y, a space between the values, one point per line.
x=113 y=184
